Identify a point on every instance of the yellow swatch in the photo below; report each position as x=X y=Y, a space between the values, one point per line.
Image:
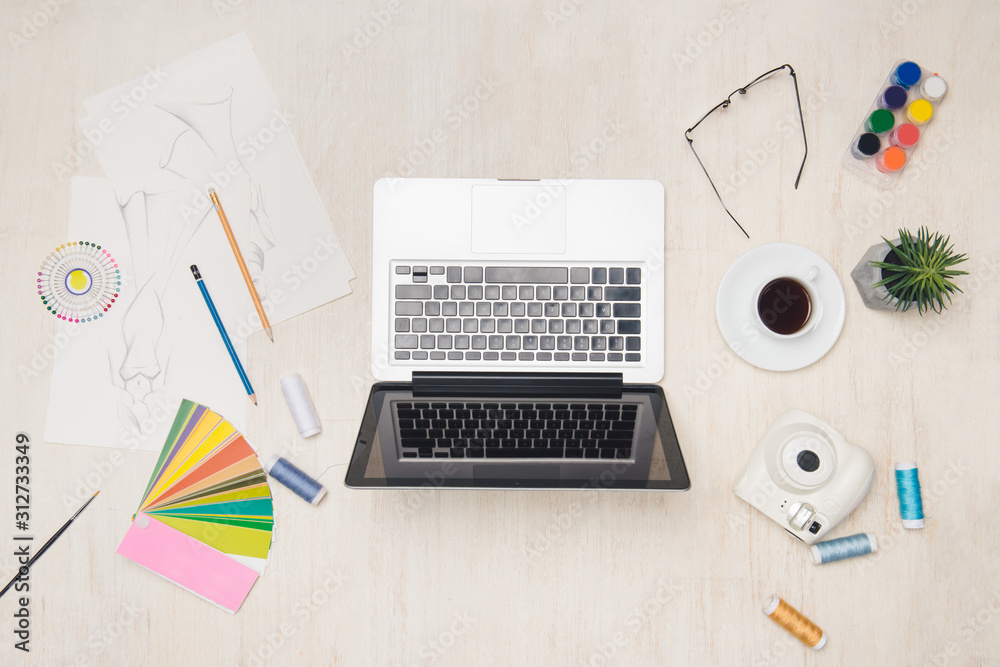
x=227 y=539
x=222 y=434
x=206 y=423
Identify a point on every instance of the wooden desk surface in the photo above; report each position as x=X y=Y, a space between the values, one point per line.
x=565 y=88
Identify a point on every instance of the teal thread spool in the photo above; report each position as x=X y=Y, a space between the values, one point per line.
x=842 y=548
x=911 y=507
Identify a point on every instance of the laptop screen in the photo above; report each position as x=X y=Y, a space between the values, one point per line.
x=622 y=439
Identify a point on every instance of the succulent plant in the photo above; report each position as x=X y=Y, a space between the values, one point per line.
x=921 y=274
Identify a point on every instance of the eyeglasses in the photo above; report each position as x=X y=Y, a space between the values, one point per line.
x=725 y=104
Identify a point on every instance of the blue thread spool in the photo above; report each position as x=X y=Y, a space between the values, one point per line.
x=911 y=507
x=301 y=484
x=841 y=548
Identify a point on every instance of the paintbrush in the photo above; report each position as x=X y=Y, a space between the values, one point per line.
x=23 y=570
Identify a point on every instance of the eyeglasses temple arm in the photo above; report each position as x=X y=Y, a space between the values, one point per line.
x=802 y=123
x=710 y=181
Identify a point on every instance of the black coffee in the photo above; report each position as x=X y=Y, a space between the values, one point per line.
x=784 y=306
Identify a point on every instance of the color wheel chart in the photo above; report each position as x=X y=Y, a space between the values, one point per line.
x=205 y=519
x=79 y=281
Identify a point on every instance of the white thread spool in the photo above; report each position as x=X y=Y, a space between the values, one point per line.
x=298 y=402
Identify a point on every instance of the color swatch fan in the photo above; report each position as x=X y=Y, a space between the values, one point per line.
x=79 y=281
x=206 y=517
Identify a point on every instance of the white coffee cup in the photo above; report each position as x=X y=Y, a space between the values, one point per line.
x=807 y=281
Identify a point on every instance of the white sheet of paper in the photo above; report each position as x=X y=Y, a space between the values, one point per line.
x=211 y=117
x=118 y=381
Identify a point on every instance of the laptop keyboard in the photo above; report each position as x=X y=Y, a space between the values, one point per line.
x=517 y=313
x=591 y=430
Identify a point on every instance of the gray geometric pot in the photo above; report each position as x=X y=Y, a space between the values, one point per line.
x=865 y=275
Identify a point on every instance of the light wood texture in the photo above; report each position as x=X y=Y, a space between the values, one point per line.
x=568 y=88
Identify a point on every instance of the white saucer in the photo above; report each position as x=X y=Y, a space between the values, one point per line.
x=735 y=306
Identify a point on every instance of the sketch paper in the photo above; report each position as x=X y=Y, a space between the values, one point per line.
x=118 y=381
x=207 y=119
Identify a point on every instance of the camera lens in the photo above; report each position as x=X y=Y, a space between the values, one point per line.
x=808 y=460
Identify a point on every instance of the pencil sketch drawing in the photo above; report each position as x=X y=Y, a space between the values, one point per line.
x=157 y=237
x=205 y=150
x=198 y=146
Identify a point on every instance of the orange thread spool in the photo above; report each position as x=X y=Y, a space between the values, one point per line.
x=793 y=621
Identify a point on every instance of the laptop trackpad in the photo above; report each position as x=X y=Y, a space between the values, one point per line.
x=523 y=219
x=516 y=471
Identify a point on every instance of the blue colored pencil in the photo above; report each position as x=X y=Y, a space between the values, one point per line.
x=222 y=332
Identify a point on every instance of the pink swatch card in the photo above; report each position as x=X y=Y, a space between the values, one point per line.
x=190 y=564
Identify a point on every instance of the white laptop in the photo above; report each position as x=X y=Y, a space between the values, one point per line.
x=483 y=275
x=518 y=329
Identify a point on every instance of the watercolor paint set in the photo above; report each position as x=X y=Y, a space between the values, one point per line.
x=894 y=125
